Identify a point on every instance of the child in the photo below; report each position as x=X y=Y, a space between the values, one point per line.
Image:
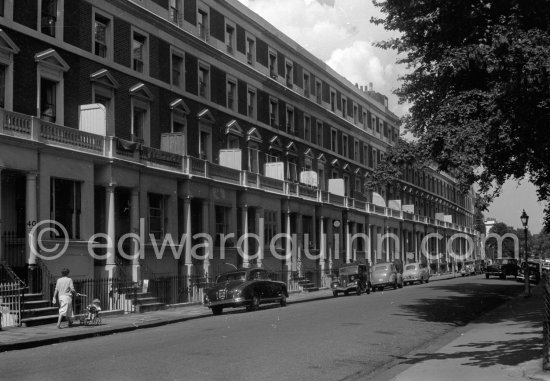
x=93 y=309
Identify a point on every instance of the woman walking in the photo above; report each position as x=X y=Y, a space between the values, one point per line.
x=64 y=291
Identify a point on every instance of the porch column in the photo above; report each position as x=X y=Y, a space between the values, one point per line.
x=354 y=242
x=330 y=244
x=31 y=216
x=288 y=243
x=297 y=253
x=322 y=246
x=369 y=245
x=260 y=232
x=437 y=252
x=348 y=242
x=1 y=221
x=135 y=227
x=388 y=258
x=110 y=214
x=244 y=226
x=188 y=238
x=205 y=229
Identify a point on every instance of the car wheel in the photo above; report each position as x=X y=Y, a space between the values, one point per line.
x=359 y=290
x=427 y=280
x=368 y=289
x=502 y=276
x=346 y=293
x=395 y=285
x=380 y=288
x=486 y=276
x=334 y=293
x=282 y=302
x=217 y=310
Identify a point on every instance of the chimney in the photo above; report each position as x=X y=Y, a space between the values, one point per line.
x=370 y=86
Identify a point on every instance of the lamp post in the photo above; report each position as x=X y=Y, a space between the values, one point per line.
x=525 y=220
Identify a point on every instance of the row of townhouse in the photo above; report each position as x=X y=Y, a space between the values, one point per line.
x=179 y=117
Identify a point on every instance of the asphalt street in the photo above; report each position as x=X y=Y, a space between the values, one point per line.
x=344 y=338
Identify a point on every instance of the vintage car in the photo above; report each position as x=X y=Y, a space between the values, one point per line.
x=386 y=274
x=502 y=268
x=535 y=270
x=247 y=287
x=468 y=268
x=416 y=272
x=352 y=277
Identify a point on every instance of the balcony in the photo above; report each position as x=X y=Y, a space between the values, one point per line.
x=16 y=126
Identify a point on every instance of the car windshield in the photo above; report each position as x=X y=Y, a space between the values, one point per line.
x=381 y=268
x=349 y=270
x=410 y=267
x=231 y=276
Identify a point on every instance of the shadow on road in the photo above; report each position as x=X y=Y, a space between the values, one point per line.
x=464 y=303
x=510 y=348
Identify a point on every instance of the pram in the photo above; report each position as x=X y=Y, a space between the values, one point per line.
x=91 y=316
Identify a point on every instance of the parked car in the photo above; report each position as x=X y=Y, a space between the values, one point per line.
x=502 y=268
x=416 y=272
x=385 y=274
x=468 y=268
x=535 y=271
x=247 y=287
x=352 y=277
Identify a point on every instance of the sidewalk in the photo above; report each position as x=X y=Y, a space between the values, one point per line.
x=505 y=344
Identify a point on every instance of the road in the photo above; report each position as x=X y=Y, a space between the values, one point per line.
x=345 y=338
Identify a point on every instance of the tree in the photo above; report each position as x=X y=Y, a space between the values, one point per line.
x=479 y=86
x=479 y=221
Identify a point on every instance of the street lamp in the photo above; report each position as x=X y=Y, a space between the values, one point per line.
x=525 y=220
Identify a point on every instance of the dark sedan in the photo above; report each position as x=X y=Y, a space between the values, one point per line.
x=248 y=288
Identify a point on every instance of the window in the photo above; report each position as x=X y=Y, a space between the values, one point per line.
x=307 y=128
x=290 y=120
x=365 y=121
x=273 y=113
x=334 y=140
x=2 y=6
x=377 y=124
x=319 y=140
x=345 y=143
x=306 y=85
x=65 y=205
x=355 y=114
x=177 y=70
x=365 y=156
x=344 y=107
x=231 y=94
x=289 y=73
x=321 y=176
x=102 y=36
x=253 y=157
x=49 y=17
x=250 y=50
x=176 y=15
x=356 y=151
x=202 y=24
x=204 y=81
x=385 y=124
x=273 y=65
x=318 y=94
x=50 y=68
x=205 y=144
x=358 y=186
x=157 y=215
x=48 y=100
x=139 y=117
x=229 y=38
x=292 y=172
x=332 y=101
x=233 y=142
x=270 y=225
x=346 y=184
x=222 y=214
x=251 y=103
x=139 y=52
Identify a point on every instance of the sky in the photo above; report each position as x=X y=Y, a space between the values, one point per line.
x=339 y=32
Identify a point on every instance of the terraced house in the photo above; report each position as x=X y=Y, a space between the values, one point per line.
x=179 y=117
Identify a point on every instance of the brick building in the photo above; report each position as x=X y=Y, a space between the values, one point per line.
x=179 y=117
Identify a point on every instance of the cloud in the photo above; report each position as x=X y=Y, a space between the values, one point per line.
x=339 y=33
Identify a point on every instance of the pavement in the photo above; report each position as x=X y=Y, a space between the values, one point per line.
x=505 y=344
